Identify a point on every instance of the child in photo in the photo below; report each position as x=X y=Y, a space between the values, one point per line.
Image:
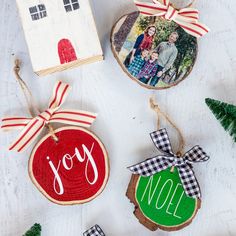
x=138 y=62
x=149 y=69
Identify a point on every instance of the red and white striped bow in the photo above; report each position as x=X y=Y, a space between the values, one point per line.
x=33 y=126
x=187 y=18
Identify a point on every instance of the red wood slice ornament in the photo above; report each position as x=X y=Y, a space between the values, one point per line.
x=73 y=170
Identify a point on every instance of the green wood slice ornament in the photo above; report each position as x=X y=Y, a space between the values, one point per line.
x=161 y=202
x=163 y=188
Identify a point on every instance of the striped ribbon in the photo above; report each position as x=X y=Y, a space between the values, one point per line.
x=32 y=127
x=187 y=18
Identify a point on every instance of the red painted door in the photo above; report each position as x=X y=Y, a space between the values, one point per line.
x=66 y=51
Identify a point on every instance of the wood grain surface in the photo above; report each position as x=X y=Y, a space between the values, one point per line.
x=123 y=124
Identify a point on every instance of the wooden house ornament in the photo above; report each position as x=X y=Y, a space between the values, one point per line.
x=60 y=34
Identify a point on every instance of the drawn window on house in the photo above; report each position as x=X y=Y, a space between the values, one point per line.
x=71 y=5
x=38 y=12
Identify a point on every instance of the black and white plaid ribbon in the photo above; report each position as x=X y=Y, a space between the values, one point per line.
x=159 y=163
x=94 y=231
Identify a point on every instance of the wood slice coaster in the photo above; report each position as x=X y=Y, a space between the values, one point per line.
x=73 y=170
x=152 y=51
x=160 y=201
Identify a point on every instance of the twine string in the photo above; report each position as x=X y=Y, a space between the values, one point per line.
x=32 y=108
x=160 y=114
x=26 y=91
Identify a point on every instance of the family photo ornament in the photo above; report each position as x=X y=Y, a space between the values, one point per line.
x=164 y=189
x=157 y=45
x=69 y=165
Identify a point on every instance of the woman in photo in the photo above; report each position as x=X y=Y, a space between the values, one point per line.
x=143 y=41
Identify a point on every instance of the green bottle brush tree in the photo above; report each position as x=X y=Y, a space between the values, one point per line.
x=35 y=230
x=225 y=113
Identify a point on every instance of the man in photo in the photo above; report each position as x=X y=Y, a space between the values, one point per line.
x=167 y=54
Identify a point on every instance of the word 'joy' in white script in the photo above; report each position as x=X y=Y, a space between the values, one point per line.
x=67 y=162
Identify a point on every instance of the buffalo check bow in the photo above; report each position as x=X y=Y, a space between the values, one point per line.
x=32 y=127
x=186 y=18
x=159 y=163
x=94 y=231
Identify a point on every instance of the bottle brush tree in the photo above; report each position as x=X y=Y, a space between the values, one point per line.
x=225 y=113
x=35 y=230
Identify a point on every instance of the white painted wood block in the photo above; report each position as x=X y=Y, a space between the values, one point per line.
x=60 y=34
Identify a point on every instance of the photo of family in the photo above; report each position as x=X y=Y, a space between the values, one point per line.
x=156 y=52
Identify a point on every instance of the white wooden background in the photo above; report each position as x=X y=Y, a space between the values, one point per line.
x=124 y=124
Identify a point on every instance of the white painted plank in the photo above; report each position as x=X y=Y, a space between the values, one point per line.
x=43 y=35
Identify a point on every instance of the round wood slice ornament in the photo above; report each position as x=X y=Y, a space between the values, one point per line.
x=157 y=46
x=161 y=202
x=69 y=165
x=73 y=170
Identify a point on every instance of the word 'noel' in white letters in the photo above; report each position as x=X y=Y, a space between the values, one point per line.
x=168 y=184
x=68 y=163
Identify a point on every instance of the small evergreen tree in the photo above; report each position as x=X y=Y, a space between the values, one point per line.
x=35 y=230
x=225 y=113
